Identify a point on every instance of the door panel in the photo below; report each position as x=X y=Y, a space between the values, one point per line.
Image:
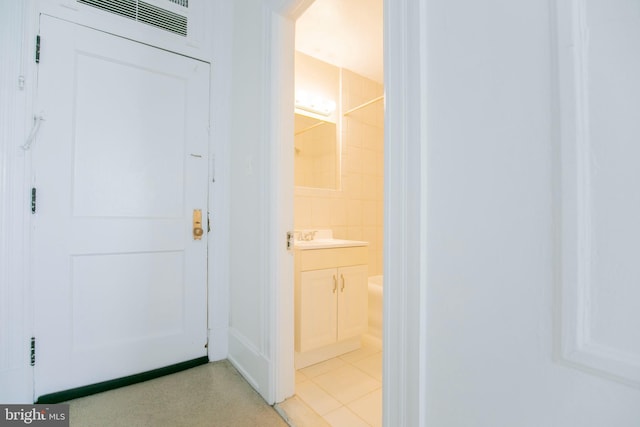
x=601 y=204
x=353 y=301
x=155 y=298
x=119 y=166
x=149 y=182
x=318 y=308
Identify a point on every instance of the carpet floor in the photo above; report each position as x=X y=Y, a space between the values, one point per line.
x=214 y=395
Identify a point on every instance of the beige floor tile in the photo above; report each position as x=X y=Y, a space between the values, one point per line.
x=371 y=365
x=322 y=367
x=317 y=398
x=347 y=383
x=369 y=408
x=343 y=417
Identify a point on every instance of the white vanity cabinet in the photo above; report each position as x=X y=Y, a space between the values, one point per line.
x=331 y=302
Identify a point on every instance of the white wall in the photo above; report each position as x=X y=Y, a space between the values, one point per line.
x=261 y=208
x=247 y=202
x=492 y=259
x=219 y=195
x=248 y=158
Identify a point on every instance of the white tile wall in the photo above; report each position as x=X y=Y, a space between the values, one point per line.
x=354 y=211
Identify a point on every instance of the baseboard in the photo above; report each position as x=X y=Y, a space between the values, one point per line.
x=250 y=362
x=308 y=358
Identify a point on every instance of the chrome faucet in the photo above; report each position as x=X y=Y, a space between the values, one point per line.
x=307 y=236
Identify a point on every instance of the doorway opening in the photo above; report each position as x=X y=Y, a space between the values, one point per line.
x=339 y=197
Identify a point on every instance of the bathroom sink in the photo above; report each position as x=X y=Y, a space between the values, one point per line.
x=322 y=239
x=327 y=243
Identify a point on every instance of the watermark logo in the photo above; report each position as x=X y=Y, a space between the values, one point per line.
x=34 y=415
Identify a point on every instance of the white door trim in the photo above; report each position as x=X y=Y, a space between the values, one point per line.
x=405 y=214
x=279 y=27
x=17 y=77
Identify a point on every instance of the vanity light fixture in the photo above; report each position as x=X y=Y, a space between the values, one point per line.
x=314 y=104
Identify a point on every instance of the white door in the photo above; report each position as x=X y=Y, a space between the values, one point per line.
x=512 y=222
x=120 y=164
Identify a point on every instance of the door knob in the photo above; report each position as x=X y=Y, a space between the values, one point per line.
x=198 y=232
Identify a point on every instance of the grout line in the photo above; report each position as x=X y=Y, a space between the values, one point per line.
x=344 y=405
x=334 y=397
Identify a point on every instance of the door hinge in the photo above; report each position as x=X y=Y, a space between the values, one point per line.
x=208 y=222
x=38 y=49
x=33 y=351
x=289 y=240
x=33 y=200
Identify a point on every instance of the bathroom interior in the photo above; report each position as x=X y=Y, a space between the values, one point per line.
x=338 y=212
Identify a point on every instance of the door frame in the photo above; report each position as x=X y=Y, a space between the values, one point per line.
x=14 y=188
x=404 y=346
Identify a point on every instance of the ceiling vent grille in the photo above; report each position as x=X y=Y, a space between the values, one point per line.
x=146 y=13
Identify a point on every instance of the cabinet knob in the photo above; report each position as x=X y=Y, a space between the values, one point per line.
x=342 y=288
x=335 y=283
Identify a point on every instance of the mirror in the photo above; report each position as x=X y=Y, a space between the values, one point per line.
x=316 y=153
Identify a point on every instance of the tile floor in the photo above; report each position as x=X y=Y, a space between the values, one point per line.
x=347 y=390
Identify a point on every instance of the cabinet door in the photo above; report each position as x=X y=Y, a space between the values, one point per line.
x=353 y=301
x=318 y=308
